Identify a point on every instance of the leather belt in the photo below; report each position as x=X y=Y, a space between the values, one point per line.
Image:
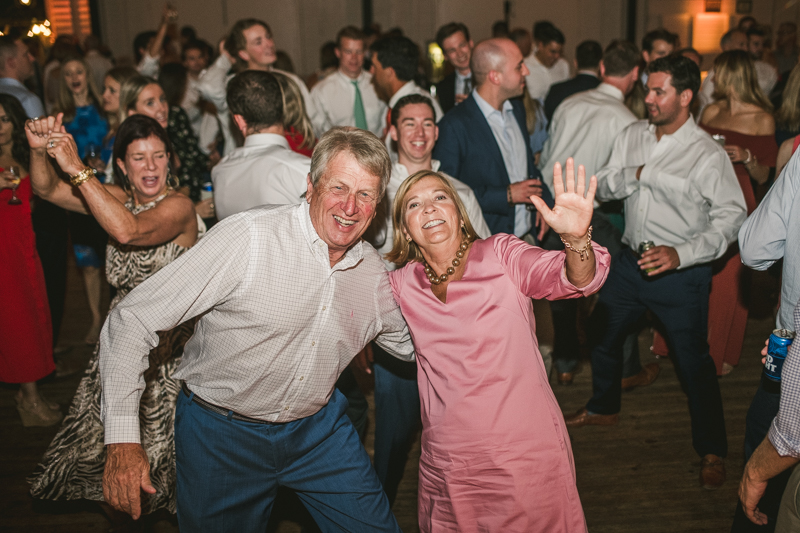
x=222 y=411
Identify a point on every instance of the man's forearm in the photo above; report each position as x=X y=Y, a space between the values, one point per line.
x=766 y=462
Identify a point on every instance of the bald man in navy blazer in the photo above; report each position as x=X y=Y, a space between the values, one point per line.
x=484 y=141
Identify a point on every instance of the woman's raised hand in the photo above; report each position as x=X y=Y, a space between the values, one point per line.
x=573 y=210
x=38 y=131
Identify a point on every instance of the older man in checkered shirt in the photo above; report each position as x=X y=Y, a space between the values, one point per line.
x=287 y=295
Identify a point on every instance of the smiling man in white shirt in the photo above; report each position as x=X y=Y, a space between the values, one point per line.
x=286 y=295
x=347 y=97
x=265 y=170
x=546 y=66
x=584 y=127
x=248 y=46
x=682 y=194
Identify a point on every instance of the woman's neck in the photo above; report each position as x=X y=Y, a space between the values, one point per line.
x=140 y=199
x=440 y=256
x=81 y=98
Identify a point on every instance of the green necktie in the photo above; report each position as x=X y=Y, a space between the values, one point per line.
x=358 y=109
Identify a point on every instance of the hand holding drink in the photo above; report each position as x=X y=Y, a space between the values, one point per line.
x=12 y=177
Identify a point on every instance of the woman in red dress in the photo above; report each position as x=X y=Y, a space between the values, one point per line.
x=26 y=351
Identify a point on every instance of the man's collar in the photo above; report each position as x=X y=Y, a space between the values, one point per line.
x=361 y=76
x=463 y=76
x=265 y=139
x=486 y=108
x=683 y=134
x=588 y=73
x=407 y=88
x=12 y=81
x=610 y=90
x=319 y=248
x=399 y=169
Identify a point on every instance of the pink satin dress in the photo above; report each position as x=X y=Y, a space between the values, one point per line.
x=496 y=455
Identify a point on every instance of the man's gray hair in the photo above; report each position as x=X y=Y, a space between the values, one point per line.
x=369 y=152
x=486 y=57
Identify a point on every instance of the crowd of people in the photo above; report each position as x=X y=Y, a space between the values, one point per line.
x=366 y=220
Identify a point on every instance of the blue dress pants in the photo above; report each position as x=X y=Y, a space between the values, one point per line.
x=229 y=471
x=397 y=417
x=679 y=299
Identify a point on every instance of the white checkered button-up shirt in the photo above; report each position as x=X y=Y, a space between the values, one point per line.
x=278 y=324
x=784 y=434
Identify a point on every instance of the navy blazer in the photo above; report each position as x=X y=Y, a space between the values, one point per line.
x=561 y=91
x=446 y=92
x=468 y=151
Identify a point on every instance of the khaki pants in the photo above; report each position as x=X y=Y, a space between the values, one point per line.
x=789 y=513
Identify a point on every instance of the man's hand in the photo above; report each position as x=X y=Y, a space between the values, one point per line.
x=750 y=492
x=522 y=191
x=364 y=359
x=461 y=97
x=205 y=208
x=660 y=258
x=127 y=473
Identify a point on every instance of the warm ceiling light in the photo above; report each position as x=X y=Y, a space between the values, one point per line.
x=25 y=2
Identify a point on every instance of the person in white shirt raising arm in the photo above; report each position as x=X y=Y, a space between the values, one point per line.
x=681 y=194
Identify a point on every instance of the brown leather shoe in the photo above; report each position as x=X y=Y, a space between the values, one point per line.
x=648 y=375
x=712 y=473
x=583 y=418
x=565 y=378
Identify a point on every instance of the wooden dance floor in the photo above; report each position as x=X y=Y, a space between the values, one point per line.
x=641 y=475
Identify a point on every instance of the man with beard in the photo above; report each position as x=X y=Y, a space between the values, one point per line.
x=681 y=194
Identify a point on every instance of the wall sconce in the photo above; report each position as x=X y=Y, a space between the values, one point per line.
x=713 y=6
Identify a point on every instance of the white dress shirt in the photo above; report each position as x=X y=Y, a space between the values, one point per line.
x=30 y=102
x=541 y=78
x=687 y=197
x=409 y=88
x=384 y=235
x=278 y=325
x=584 y=127
x=511 y=142
x=263 y=171
x=461 y=82
x=213 y=84
x=334 y=98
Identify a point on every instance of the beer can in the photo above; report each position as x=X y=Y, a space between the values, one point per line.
x=207 y=191
x=778 y=347
x=643 y=247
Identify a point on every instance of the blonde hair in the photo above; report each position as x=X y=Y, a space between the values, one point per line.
x=118 y=74
x=788 y=115
x=294 y=110
x=734 y=72
x=404 y=251
x=368 y=151
x=66 y=100
x=129 y=93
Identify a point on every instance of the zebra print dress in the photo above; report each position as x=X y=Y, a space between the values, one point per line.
x=72 y=467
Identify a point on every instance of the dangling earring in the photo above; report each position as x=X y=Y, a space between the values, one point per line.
x=172 y=181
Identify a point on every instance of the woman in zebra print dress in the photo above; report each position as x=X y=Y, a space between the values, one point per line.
x=149 y=225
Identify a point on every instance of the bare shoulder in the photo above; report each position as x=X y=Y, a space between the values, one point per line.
x=765 y=123
x=710 y=112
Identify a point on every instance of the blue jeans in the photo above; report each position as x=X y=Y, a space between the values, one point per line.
x=229 y=471
x=397 y=417
x=679 y=299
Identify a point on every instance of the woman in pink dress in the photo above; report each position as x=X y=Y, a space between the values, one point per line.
x=496 y=454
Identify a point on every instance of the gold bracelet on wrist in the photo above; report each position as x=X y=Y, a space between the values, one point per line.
x=583 y=252
x=82 y=176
